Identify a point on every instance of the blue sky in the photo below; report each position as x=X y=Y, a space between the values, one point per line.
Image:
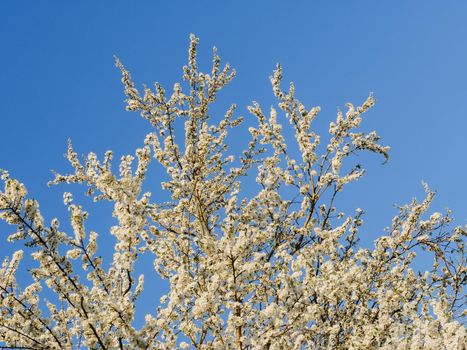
x=58 y=81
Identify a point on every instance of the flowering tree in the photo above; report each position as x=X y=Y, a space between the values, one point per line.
x=276 y=269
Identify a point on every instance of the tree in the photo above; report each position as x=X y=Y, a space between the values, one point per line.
x=277 y=269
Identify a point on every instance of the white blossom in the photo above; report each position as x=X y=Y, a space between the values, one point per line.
x=276 y=266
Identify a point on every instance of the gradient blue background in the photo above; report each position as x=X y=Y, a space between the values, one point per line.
x=58 y=81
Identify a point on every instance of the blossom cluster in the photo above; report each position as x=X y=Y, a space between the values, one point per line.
x=280 y=268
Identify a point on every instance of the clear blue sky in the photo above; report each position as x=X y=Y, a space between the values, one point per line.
x=58 y=81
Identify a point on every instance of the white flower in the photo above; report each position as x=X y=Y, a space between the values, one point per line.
x=273 y=264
